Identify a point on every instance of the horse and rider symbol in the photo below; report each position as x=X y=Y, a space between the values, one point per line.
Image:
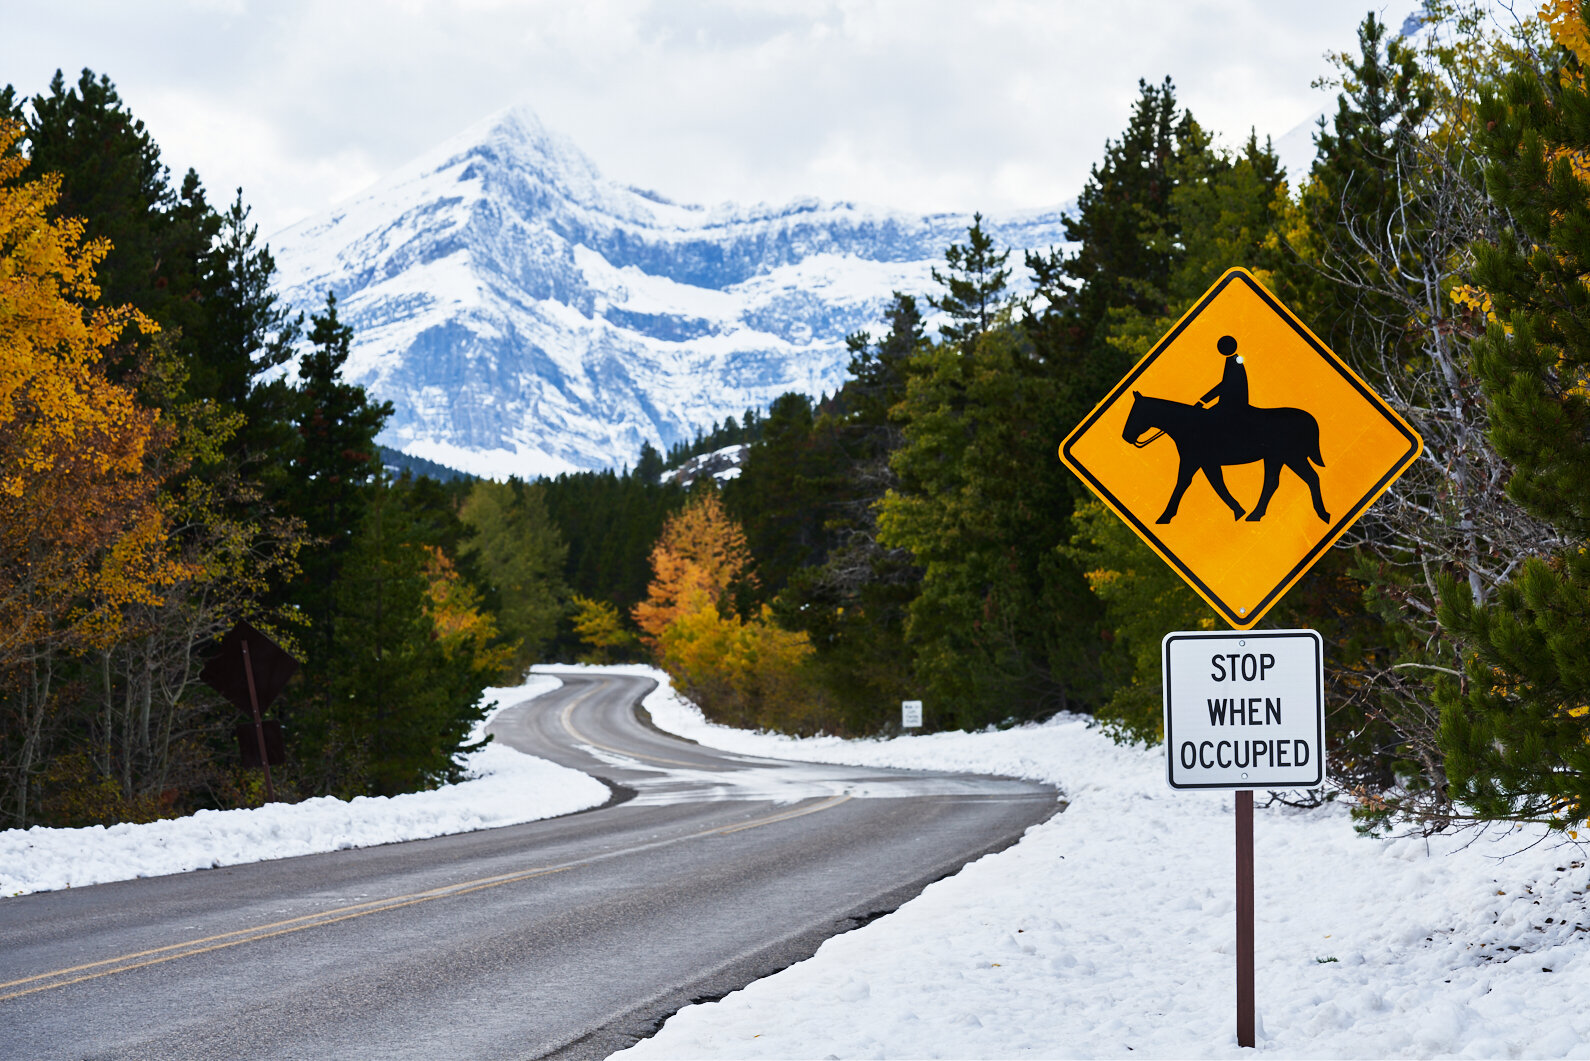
x=1230 y=432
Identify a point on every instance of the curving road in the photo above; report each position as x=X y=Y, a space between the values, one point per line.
x=569 y=937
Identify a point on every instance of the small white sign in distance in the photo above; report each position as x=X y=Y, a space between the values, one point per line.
x=910 y=714
x=1244 y=709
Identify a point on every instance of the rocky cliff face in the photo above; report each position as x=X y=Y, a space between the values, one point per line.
x=526 y=316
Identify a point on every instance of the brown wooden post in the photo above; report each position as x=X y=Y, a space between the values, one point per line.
x=259 y=726
x=1245 y=1002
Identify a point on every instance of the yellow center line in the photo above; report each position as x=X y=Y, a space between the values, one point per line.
x=221 y=941
x=250 y=935
x=433 y=893
x=832 y=801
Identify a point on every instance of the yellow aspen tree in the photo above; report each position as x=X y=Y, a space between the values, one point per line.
x=454 y=608
x=598 y=624
x=746 y=672
x=82 y=531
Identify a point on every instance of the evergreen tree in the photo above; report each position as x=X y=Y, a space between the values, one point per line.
x=332 y=470
x=878 y=372
x=1121 y=223
x=246 y=334
x=1516 y=729
x=1385 y=99
x=854 y=605
x=112 y=177
x=650 y=465
x=1002 y=627
x=1357 y=184
x=402 y=695
x=974 y=283
x=787 y=492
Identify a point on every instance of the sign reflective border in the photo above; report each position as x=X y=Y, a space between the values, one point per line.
x=1244 y=710
x=1240 y=448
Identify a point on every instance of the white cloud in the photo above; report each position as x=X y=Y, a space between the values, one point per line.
x=922 y=105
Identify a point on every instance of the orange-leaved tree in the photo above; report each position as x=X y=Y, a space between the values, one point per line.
x=461 y=626
x=82 y=533
x=699 y=559
x=740 y=671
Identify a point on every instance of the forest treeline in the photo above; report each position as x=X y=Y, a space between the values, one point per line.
x=181 y=451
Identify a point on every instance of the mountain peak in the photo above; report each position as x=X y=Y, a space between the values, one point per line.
x=527 y=316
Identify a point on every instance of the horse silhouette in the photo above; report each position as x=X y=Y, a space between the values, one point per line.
x=1208 y=440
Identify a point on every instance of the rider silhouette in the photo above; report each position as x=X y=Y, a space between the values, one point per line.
x=1232 y=432
x=1232 y=390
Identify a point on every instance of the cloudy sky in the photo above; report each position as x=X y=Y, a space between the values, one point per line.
x=928 y=105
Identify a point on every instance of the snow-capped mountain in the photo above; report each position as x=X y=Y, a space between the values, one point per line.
x=527 y=316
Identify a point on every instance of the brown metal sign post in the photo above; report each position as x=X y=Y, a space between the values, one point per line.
x=250 y=670
x=259 y=723
x=1245 y=992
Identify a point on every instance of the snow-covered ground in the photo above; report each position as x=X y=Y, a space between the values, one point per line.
x=1106 y=932
x=1109 y=930
x=506 y=788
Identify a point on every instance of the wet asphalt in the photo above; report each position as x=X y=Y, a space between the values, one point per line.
x=569 y=938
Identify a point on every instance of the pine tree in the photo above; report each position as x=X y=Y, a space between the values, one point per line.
x=1357 y=184
x=649 y=467
x=1516 y=729
x=974 y=283
x=1121 y=222
x=1385 y=100
x=333 y=466
x=409 y=664
x=1001 y=627
x=788 y=491
x=878 y=372
x=113 y=178
x=245 y=336
x=853 y=605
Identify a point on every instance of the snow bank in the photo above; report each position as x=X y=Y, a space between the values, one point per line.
x=1109 y=930
x=506 y=788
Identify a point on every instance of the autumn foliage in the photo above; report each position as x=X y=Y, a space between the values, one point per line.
x=741 y=671
x=83 y=535
x=160 y=479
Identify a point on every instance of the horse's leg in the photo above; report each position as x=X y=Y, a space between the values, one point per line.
x=1184 y=478
x=1306 y=472
x=1217 y=479
x=1272 y=479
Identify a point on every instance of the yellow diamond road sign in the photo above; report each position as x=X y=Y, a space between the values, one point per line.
x=1240 y=448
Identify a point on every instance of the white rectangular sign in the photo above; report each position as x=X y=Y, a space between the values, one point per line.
x=1244 y=709
x=910 y=714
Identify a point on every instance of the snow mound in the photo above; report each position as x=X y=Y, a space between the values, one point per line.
x=506 y=788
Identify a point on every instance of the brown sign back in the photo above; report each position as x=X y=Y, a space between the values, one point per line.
x=273 y=668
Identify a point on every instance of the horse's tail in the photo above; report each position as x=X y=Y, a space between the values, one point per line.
x=1315 y=456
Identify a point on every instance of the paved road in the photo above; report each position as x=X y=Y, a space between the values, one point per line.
x=563 y=938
